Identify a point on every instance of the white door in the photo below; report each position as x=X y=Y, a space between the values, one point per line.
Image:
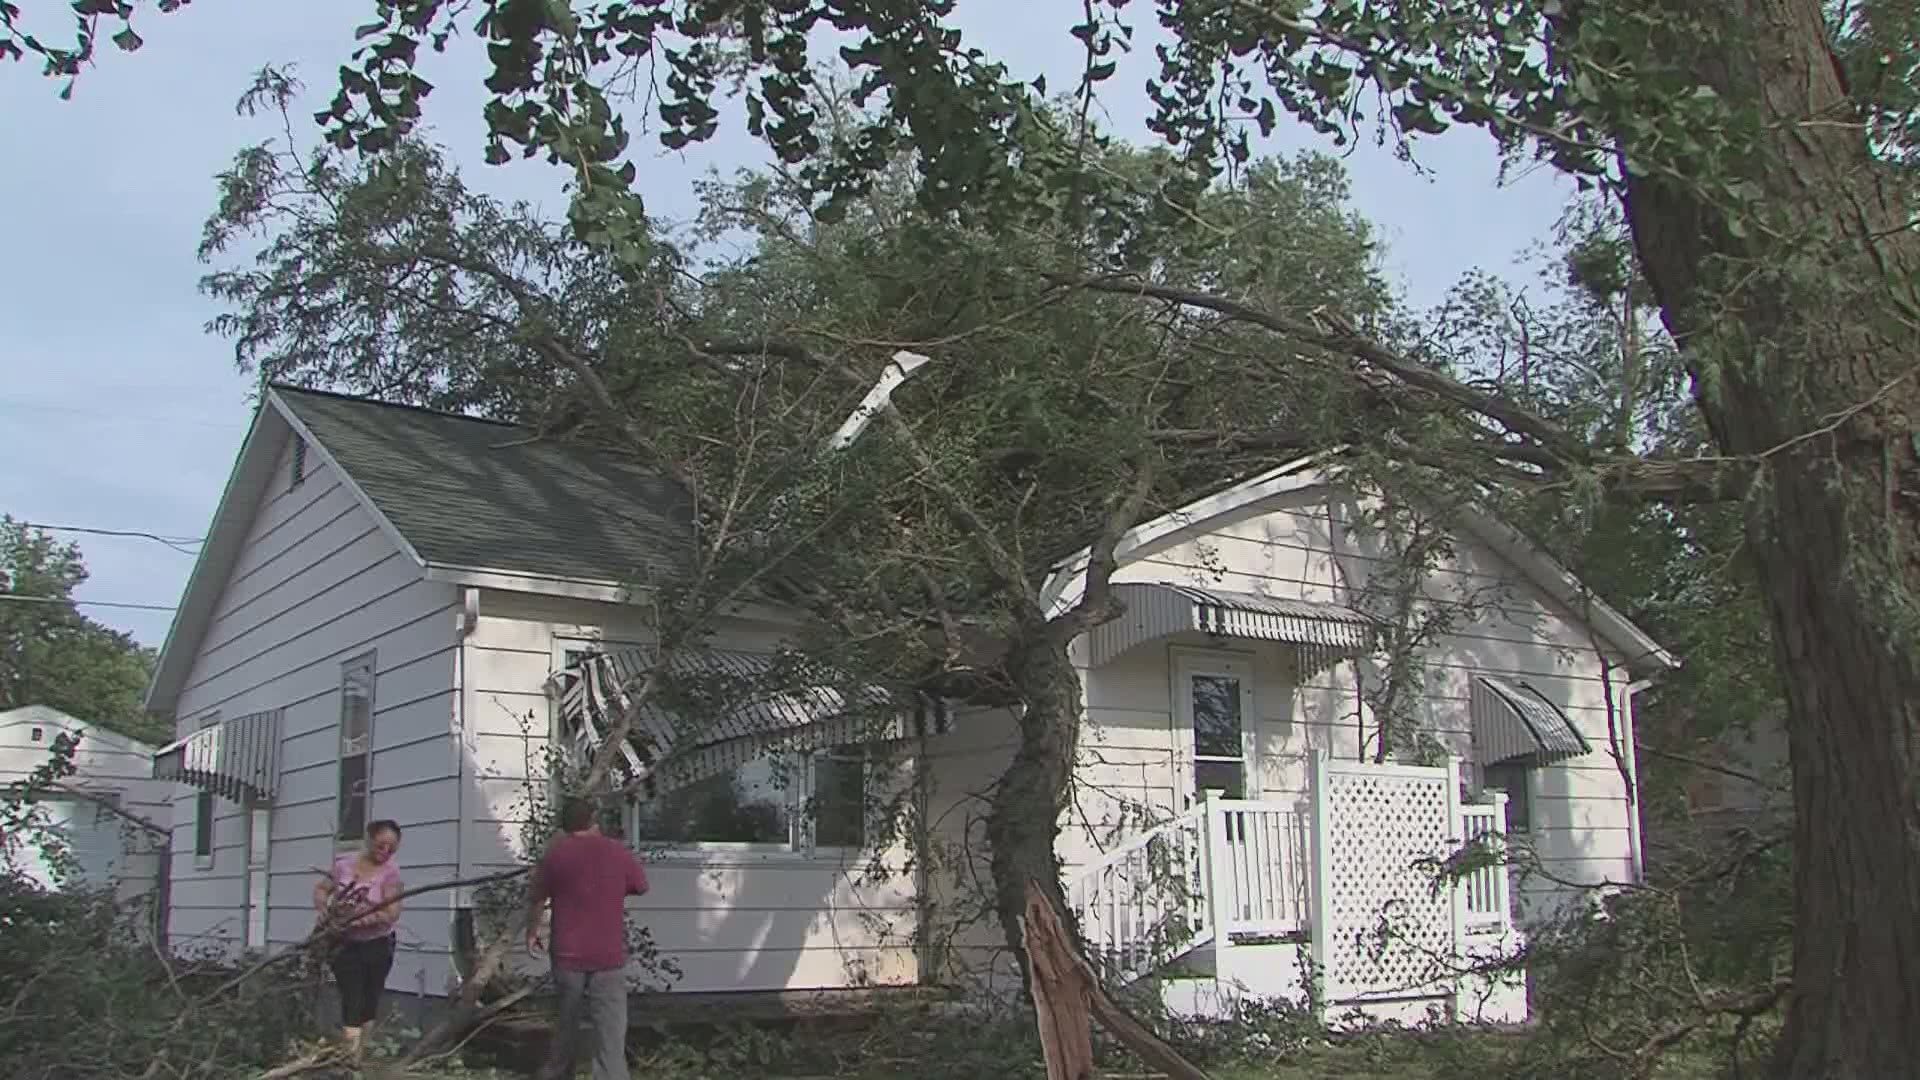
x=259 y=845
x=1215 y=725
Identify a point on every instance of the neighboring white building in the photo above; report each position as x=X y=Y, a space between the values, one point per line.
x=395 y=610
x=103 y=811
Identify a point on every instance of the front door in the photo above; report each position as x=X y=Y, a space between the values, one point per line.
x=1215 y=725
x=259 y=850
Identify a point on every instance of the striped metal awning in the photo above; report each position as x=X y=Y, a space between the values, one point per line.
x=739 y=706
x=1161 y=610
x=1515 y=722
x=237 y=758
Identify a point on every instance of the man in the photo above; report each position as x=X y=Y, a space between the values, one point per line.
x=587 y=877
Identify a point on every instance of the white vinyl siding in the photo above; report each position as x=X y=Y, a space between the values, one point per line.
x=318 y=584
x=1578 y=810
x=1137 y=754
x=751 y=917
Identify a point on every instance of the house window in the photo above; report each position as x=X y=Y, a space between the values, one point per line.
x=838 y=808
x=1214 y=696
x=298 y=470
x=790 y=801
x=203 y=827
x=356 y=744
x=1511 y=777
x=203 y=813
x=572 y=655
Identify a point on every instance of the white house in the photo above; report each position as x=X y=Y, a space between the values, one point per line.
x=396 y=610
x=111 y=814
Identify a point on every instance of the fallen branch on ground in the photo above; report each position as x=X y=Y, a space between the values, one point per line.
x=325 y=934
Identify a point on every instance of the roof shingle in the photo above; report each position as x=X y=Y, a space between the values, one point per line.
x=482 y=495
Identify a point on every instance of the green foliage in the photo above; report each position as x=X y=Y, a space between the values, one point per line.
x=74 y=955
x=1584 y=346
x=500 y=906
x=1047 y=401
x=82 y=953
x=1686 y=970
x=1577 y=82
x=1049 y=412
x=1769 y=288
x=52 y=655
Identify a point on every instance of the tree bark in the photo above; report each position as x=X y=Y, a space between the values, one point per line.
x=1067 y=997
x=1024 y=818
x=1062 y=996
x=1804 y=341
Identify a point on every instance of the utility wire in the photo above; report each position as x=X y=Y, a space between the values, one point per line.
x=177 y=543
x=116 y=417
x=22 y=598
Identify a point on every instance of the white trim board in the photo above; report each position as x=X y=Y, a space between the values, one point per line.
x=1280 y=487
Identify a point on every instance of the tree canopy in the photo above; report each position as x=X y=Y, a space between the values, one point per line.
x=1757 y=151
x=52 y=655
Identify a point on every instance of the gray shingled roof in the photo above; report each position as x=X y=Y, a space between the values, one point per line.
x=483 y=495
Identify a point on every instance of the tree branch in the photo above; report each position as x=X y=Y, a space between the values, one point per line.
x=1541 y=442
x=1097 y=603
x=1698 y=763
x=1336 y=335
x=107 y=803
x=323 y=934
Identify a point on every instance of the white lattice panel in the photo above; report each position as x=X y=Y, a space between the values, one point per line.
x=1381 y=820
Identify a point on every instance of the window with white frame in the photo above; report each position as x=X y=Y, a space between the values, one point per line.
x=788 y=802
x=800 y=801
x=1214 y=696
x=204 y=809
x=356 y=745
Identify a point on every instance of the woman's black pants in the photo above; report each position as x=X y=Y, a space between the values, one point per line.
x=360 y=968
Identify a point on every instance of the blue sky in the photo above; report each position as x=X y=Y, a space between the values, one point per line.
x=117 y=410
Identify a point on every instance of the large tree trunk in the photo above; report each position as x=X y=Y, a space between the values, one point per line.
x=1025 y=816
x=1810 y=328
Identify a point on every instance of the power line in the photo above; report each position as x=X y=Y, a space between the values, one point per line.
x=21 y=598
x=177 y=543
x=118 y=417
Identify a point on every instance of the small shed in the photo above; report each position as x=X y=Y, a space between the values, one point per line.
x=112 y=814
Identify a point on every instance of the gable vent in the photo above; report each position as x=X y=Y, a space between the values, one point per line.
x=298 y=472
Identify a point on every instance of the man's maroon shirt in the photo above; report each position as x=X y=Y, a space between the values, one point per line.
x=588 y=877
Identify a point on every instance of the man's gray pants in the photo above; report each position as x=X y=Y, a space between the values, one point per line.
x=601 y=996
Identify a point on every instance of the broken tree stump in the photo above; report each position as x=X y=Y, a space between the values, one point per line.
x=1067 y=996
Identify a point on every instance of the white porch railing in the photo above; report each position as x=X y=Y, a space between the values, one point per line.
x=1262 y=854
x=1143 y=903
x=1154 y=898
x=1241 y=868
x=1483 y=890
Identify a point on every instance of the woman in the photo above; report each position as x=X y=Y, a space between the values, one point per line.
x=359 y=901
